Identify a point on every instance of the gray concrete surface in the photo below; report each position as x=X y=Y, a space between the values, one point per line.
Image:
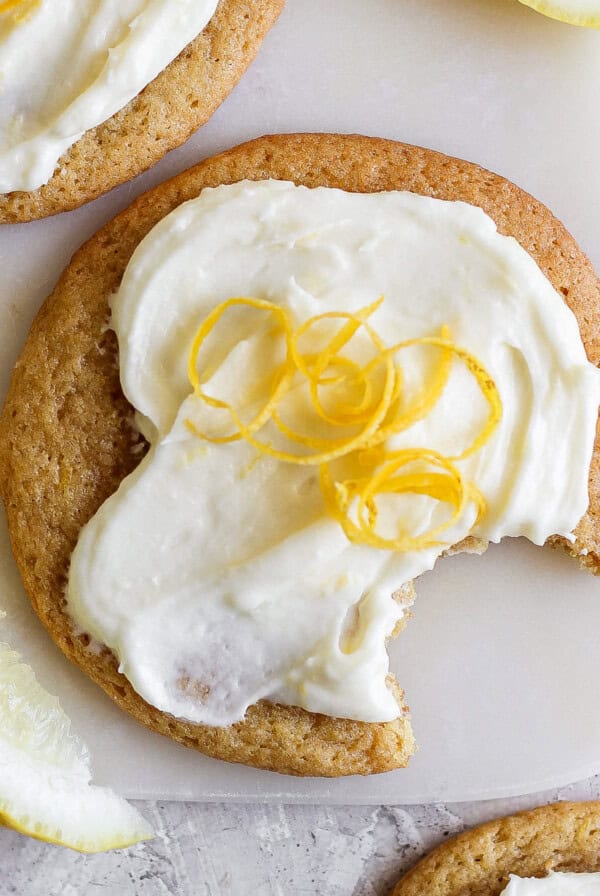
x=235 y=850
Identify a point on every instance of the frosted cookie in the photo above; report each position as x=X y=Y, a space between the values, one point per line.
x=109 y=89
x=67 y=418
x=557 y=845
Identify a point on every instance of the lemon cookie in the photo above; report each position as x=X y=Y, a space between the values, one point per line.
x=556 y=839
x=120 y=103
x=67 y=418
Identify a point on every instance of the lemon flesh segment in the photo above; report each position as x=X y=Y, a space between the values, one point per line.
x=45 y=788
x=574 y=12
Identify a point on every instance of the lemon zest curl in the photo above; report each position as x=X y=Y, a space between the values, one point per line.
x=19 y=8
x=375 y=412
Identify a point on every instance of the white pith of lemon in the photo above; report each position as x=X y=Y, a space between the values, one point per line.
x=45 y=788
x=574 y=12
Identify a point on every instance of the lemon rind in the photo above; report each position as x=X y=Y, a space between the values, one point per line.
x=559 y=14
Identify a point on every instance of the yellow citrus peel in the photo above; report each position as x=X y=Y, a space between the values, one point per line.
x=281 y=388
x=374 y=410
x=20 y=8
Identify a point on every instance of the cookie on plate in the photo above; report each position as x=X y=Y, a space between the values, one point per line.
x=66 y=431
x=176 y=102
x=562 y=837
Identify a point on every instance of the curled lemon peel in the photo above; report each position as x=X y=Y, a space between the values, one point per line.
x=19 y=8
x=421 y=409
x=283 y=383
x=447 y=486
x=335 y=448
x=353 y=502
x=347 y=414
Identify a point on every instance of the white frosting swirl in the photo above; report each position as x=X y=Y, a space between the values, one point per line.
x=218 y=580
x=555 y=884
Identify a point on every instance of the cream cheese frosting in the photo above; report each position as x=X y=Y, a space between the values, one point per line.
x=68 y=65
x=557 y=883
x=216 y=576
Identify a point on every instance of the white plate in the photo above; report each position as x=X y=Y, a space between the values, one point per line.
x=500 y=662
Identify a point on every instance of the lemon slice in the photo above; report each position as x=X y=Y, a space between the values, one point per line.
x=575 y=12
x=45 y=788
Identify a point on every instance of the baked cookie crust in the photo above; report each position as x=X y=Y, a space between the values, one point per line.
x=66 y=433
x=559 y=837
x=168 y=111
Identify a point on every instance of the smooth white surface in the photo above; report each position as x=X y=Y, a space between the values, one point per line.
x=498 y=668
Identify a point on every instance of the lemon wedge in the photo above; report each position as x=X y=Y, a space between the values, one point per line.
x=45 y=788
x=575 y=12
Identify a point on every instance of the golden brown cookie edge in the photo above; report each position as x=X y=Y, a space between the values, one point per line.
x=561 y=837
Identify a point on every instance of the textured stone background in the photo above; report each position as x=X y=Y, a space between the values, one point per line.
x=235 y=850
